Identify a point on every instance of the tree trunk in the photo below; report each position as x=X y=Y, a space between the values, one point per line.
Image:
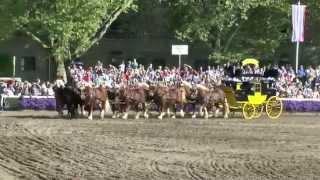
x=61 y=70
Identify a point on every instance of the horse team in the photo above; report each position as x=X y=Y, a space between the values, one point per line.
x=141 y=98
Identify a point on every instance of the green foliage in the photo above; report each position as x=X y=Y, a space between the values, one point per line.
x=68 y=28
x=9 y=9
x=233 y=28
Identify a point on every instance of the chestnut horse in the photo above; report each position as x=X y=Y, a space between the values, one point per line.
x=96 y=97
x=167 y=98
x=135 y=98
x=218 y=98
x=199 y=95
x=207 y=98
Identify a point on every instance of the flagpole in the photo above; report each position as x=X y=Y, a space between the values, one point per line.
x=297 y=56
x=297 y=49
x=14 y=67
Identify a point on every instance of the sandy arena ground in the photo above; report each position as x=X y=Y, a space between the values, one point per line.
x=38 y=145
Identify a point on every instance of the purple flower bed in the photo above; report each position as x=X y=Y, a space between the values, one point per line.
x=301 y=106
x=49 y=103
x=38 y=103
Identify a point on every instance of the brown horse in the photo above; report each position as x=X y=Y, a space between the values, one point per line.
x=135 y=98
x=167 y=98
x=207 y=98
x=117 y=105
x=199 y=95
x=96 y=97
x=218 y=98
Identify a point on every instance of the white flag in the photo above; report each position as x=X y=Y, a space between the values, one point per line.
x=298 y=19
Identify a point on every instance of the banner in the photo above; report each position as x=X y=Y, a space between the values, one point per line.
x=298 y=21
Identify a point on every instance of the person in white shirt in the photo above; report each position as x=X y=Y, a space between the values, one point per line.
x=50 y=91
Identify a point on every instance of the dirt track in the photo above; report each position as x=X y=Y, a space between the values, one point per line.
x=44 y=147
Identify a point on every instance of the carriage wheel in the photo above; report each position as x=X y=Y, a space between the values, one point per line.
x=248 y=111
x=258 y=111
x=274 y=107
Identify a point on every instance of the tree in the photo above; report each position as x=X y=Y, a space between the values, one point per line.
x=9 y=9
x=235 y=29
x=69 y=28
x=218 y=23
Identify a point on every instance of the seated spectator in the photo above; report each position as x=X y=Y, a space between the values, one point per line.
x=26 y=89
x=2 y=87
x=18 y=88
x=44 y=89
x=50 y=91
x=35 y=89
x=9 y=90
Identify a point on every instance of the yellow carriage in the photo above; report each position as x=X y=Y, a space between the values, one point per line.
x=255 y=102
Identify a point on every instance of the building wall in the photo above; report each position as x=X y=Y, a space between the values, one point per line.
x=24 y=47
x=113 y=51
x=156 y=51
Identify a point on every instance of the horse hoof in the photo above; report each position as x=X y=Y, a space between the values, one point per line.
x=194 y=116
x=206 y=117
x=114 y=116
x=159 y=117
x=226 y=117
x=201 y=114
x=146 y=116
x=173 y=117
x=90 y=118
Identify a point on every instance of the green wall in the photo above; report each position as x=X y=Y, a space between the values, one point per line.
x=5 y=65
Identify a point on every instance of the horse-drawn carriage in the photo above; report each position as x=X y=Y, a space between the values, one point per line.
x=254 y=95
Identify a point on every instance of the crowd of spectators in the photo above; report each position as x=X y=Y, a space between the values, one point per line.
x=288 y=83
x=16 y=88
x=304 y=84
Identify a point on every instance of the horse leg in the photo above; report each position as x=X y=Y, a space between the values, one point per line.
x=121 y=111
x=201 y=110
x=162 y=111
x=90 y=112
x=70 y=110
x=145 y=115
x=126 y=114
x=182 y=111
x=83 y=112
x=107 y=107
x=161 y=115
x=194 y=111
x=206 y=115
x=59 y=109
x=138 y=115
x=114 y=111
x=138 y=111
x=226 y=109
x=115 y=107
x=168 y=112
x=75 y=111
x=171 y=106
x=216 y=112
x=102 y=110
x=174 y=114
